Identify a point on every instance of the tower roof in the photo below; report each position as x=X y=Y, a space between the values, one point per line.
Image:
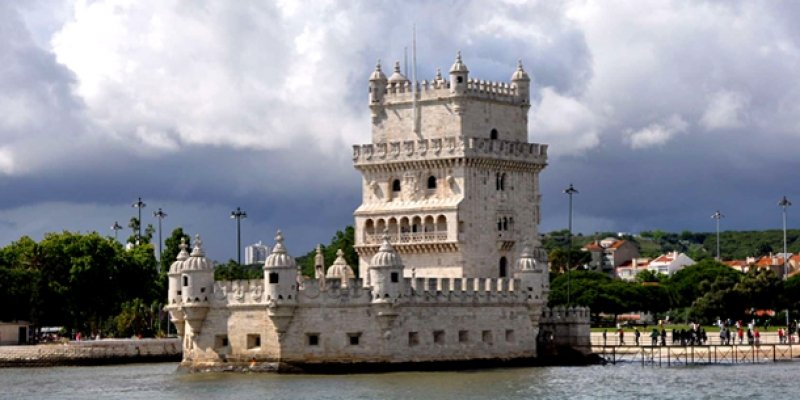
x=279 y=257
x=386 y=255
x=458 y=65
x=197 y=261
x=377 y=75
x=520 y=74
x=340 y=269
x=183 y=255
x=397 y=76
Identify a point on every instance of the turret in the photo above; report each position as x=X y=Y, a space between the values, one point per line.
x=386 y=274
x=340 y=270
x=533 y=275
x=280 y=275
x=522 y=82
x=459 y=74
x=175 y=290
x=377 y=85
x=197 y=283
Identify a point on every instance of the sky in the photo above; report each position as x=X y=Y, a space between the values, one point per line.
x=659 y=112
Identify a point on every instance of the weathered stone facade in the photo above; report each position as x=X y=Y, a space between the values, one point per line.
x=447 y=237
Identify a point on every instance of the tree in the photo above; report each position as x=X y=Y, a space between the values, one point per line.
x=694 y=281
x=648 y=276
x=559 y=258
x=172 y=246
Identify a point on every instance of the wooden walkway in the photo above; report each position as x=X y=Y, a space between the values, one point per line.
x=695 y=355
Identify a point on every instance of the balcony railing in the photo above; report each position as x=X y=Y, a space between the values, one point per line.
x=408 y=237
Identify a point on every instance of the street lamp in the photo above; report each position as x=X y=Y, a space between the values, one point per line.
x=238 y=215
x=160 y=215
x=116 y=227
x=784 y=203
x=139 y=205
x=717 y=216
x=569 y=191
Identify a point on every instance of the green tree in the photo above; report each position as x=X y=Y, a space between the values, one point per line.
x=648 y=276
x=694 y=281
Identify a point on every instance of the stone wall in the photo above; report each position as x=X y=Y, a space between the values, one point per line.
x=565 y=334
x=94 y=352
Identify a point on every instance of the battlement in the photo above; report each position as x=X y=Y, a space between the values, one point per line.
x=239 y=292
x=562 y=314
x=448 y=147
x=437 y=89
x=458 y=290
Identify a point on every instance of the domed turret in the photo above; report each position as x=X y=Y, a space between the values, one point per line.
x=377 y=84
x=532 y=273
x=458 y=76
x=280 y=274
x=522 y=82
x=197 y=275
x=174 y=274
x=397 y=76
x=340 y=269
x=386 y=273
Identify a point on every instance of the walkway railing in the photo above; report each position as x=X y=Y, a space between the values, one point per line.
x=699 y=354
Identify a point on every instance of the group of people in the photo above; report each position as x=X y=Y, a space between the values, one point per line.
x=696 y=335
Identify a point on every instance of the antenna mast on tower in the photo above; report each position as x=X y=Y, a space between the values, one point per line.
x=414 y=90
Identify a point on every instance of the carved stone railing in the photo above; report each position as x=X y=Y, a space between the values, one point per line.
x=407 y=237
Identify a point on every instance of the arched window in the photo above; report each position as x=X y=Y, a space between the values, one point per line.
x=503 y=182
x=497 y=181
x=432 y=182
x=499 y=225
x=493 y=134
x=396 y=185
x=503 y=267
x=505 y=224
x=185 y=280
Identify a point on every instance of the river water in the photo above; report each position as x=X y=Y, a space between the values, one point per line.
x=622 y=381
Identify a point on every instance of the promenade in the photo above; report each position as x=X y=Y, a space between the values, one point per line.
x=91 y=352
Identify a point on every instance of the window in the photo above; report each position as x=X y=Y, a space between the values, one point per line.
x=312 y=339
x=413 y=338
x=487 y=337
x=273 y=277
x=253 y=341
x=202 y=290
x=460 y=79
x=221 y=341
x=493 y=134
x=395 y=277
x=503 y=267
x=431 y=182
x=185 y=280
x=396 y=185
x=354 y=338
x=463 y=336
x=438 y=337
x=509 y=335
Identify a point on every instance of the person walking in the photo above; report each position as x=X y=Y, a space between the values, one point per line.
x=663 y=336
x=636 y=336
x=605 y=337
x=621 y=336
x=740 y=333
x=757 y=337
x=654 y=337
x=749 y=337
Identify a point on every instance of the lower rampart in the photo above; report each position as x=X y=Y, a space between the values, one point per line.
x=94 y=352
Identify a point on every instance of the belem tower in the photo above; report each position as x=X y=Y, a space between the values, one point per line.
x=450 y=268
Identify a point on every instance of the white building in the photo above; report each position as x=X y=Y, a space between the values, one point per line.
x=256 y=253
x=670 y=263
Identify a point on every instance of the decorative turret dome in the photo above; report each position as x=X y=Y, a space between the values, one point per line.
x=279 y=258
x=386 y=256
x=377 y=75
x=183 y=255
x=526 y=261
x=458 y=65
x=520 y=74
x=397 y=77
x=340 y=269
x=197 y=261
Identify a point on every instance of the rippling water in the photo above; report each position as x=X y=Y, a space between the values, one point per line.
x=624 y=381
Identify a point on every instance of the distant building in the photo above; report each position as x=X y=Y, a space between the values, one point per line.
x=256 y=253
x=670 y=263
x=773 y=262
x=627 y=271
x=14 y=333
x=610 y=253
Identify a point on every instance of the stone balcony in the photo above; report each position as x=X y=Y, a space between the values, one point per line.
x=406 y=238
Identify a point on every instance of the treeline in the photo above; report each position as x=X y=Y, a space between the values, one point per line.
x=697 y=245
x=702 y=293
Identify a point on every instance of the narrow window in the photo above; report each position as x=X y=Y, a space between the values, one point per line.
x=460 y=79
x=463 y=336
x=413 y=338
x=497 y=181
x=396 y=185
x=509 y=335
x=487 y=337
x=493 y=134
x=505 y=224
x=395 y=277
x=312 y=339
x=202 y=290
x=503 y=182
x=354 y=338
x=499 y=225
x=253 y=341
x=185 y=280
x=221 y=341
x=503 y=267
x=273 y=277
x=438 y=337
x=432 y=182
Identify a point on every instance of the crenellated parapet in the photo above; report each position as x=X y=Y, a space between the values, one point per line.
x=448 y=147
x=458 y=291
x=569 y=315
x=437 y=90
x=239 y=293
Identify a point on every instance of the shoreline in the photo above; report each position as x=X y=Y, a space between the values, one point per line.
x=92 y=352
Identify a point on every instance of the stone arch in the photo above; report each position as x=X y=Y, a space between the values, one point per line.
x=441 y=223
x=416 y=224
x=380 y=226
x=431 y=182
x=493 y=134
x=392 y=226
x=405 y=226
x=369 y=226
x=429 y=225
x=396 y=185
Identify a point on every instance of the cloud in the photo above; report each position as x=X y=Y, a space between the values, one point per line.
x=656 y=134
x=568 y=125
x=726 y=109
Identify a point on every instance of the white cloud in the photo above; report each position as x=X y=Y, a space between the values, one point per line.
x=6 y=161
x=656 y=134
x=565 y=123
x=726 y=109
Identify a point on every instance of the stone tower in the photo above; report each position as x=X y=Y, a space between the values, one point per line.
x=449 y=176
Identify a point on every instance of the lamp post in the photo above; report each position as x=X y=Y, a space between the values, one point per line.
x=139 y=205
x=238 y=215
x=116 y=227
x=784 y=203
x=569 y=191
x=160 y=215
x=717 y=216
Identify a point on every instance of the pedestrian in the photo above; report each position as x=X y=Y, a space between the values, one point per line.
x=663 y=337
x=605 y=333
x=757 y=337
x=636 y=335
x=654 y=337
x=722 y=335
x=780 y=335
x=621 y=336
x=740 y=333
x=749 y=336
